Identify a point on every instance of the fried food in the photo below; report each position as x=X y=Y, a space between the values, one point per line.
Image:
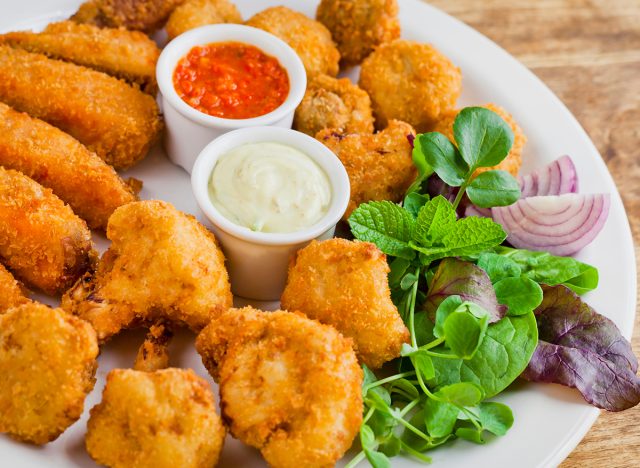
x=410 y=81
x=162 y=419
x=129 y=55
x=162 y=265
x=12 y=293
x=58 y=161
x=359 y=26
x=333 y=103
x=289 y=386
x=513 y=161
x=154 y=354
x=47 y=363
x=309 y=38
x=139 y=15
x=110 y=117
x=344 y=284
x=195 y=13
x=379 y=166
x=41 y=241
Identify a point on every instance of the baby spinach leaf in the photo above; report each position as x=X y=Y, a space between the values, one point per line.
x=464 y=333
x=435 y=219
x=495 y=417
x=498 y=266
x=521 y=295
x=413 y=202
x=440 y=417
x=493 y=188
x=442 y=155
x=461 y=394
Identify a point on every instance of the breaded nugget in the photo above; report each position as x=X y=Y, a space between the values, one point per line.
x=513 y=161
x=379 y=166
x=47 y=364
x=140 y=15
x=344 y=284
x=195 y=13
x=410 y=81
x=41 y=241
x=162 y=265
x=12 y=293
x=289 y=386
x=58 y=161
x=309 y=38
x=153 y=354
x=359 y=26
x=333 y=103
x=162 y=419
x=129 y=55
x=110 y=117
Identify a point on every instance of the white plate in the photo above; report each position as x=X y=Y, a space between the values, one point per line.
x=549 y=420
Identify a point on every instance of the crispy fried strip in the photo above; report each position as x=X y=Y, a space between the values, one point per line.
x=140 y=15
x=12 y=293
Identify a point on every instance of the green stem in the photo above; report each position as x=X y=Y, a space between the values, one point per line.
x=458 y=199
x=472 y=417
x=414 y=452
x=442 y=355
x=414 y=429
x=412 y=312
x=355 y=460
x=387 y=380
x=409 y=407
x=368 y=415
x=433 y=344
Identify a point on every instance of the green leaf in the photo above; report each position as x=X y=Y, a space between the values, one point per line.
x=419 y=159
x=461 y=394
x=464 y=333
x=398 y=268
x=440 y=417
x=423 y=364
x=385 y=224
x=496 y=418
x=520 y=295
x=423 y=328
x=446 y=308
x=471 y=434
x=493 y=188
x=367 y=437
x=408 y=281
x=391 y=446
x=484 y=139
x=443 y=157
x=413 y=202
x=377 y=459
x=381 y=423
x=435 y=219
x=498 y=267
x=406 y=387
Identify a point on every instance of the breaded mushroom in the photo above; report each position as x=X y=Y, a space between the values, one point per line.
x=289 y=386
x=380 y=166
x=513 y=161
x=195 y=13
x=41 y=240
x=47 y=364
x=333 y=103
x=410 y=81
x=359 y=26
x=162 y=265
x=139 y=15
x=344 y=284
x=12 y=293
x=161 y=419
x=310 y=39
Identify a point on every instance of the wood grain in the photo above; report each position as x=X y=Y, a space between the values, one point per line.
x=588 y=52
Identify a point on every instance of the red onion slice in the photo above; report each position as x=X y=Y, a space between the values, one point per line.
x=473 y=210
x=558 y=224
x=556 y=178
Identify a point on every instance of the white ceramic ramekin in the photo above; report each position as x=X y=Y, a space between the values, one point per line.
x=189 y=130
x=258 y=261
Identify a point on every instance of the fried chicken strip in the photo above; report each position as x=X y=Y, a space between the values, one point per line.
x=110 y=117
x=194 y=13
x=41 y=240
x=58 y=161
x=139 y=15
x=11 y=292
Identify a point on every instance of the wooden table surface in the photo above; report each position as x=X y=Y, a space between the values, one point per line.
x=588 y=53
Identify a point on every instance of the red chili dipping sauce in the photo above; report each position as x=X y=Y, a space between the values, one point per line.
x=231 y=80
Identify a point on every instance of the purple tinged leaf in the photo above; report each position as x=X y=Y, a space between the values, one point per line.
x=582 y=349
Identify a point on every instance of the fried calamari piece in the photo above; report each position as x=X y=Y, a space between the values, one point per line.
x=513 y=161
x=410 y=81
x=153 y=354
x=12 y=293
x=379 y=166
x=333 y=103
x=359 y=26
x=58 y=161
x=344 y=284
x=195 y=13
x=309 y=38
x=129 y=55
x=162 y=265
x=139 y=15
x=41 y=241
x=161 y=419
x=289 y=386
x=110 y=117
x=47 y=364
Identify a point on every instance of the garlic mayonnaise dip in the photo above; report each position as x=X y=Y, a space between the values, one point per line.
x=269 y=187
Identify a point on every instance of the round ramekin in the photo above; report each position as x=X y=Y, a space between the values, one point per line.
x=188 y=130
x=258 y=261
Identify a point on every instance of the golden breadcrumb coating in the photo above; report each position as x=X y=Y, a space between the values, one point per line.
x=47 y=364
x=344 y=284
x=359 y=26
x=110 y=117
x=162 y=419
x=379 y=166
x=153 y=354
x=41 y=241
x=289 y=386
x=129 y=55
x=410 y=81
x=140 y=15
x=58 y=161
x=162 y=264
x=334 y=103
x=12 y=293
x=195 y=13
x=513 y=161
x=310 y=39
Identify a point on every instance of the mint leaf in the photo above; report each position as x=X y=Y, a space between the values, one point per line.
x=520 y=295
x=443 y=157
x=385 y=224
x=494 y=188
x=484 y=139
x=435 y=218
